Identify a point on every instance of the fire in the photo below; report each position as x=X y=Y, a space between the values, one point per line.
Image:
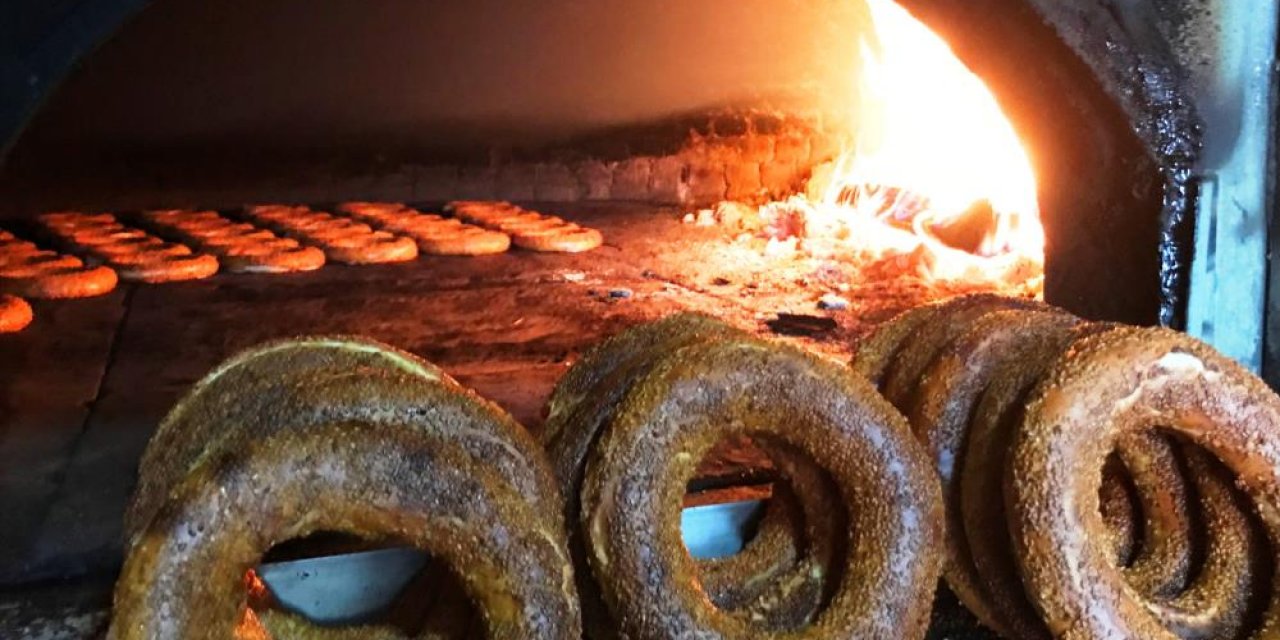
x=934 y=160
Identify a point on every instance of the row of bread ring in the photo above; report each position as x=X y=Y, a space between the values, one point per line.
x=342 y=239
x=134 y=254
x=434 y=234
x=241 y=247
x=15 y=313
x=528 y=229
x=28 y=271
x=1087 y=470
x=850 y=545
x=348 y=436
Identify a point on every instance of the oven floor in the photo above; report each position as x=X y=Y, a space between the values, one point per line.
x=82 y=389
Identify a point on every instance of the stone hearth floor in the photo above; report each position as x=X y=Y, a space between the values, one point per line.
x=82 y=389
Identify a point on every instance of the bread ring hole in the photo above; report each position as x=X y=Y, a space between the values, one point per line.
x=765 y=524
x=1189 y=541
x=335 y=580
x=726 y=500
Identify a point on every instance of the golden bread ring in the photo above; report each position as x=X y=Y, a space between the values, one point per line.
x=1109 y=385
x=349 y=436
x=923 y=344
x=782 y=398
x=949 y=392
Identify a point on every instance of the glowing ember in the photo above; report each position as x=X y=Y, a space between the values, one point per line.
x=936 y=166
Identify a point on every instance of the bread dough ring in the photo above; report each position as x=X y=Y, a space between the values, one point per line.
x=784 y=398
x=371 y=248
x=60 y=283
x=527 y=229
x=435 y=235
x=1123 y=381
x=567 y=239
x=241 y=248
x=130 y=256
x=15 y=314
x=173 y=268
x=273 y=259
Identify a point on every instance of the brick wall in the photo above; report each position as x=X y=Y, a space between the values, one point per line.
x=691 y=160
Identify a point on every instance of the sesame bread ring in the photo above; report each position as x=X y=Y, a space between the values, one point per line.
x=170 y=268
x=994 y=423
x=875 y=353
x=60 y=283
x=373 y=483
x=15 y=314
x=949 y=392
x=340 y=434
x=374 y=248
x=922 y=345
x=693 y=398
x=771 y=580
x=1123 y=381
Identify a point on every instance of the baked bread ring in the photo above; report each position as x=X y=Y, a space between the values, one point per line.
x=691 y=399
x=948 y=394
x=346 y=435
x=1123 y=381
x=874 y=353
x=580 y=408
x=15 y=314
x=923 y=344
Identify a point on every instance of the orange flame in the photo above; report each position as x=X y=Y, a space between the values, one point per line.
x=933 y=147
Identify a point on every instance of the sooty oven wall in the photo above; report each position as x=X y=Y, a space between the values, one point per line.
x=672 y=102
